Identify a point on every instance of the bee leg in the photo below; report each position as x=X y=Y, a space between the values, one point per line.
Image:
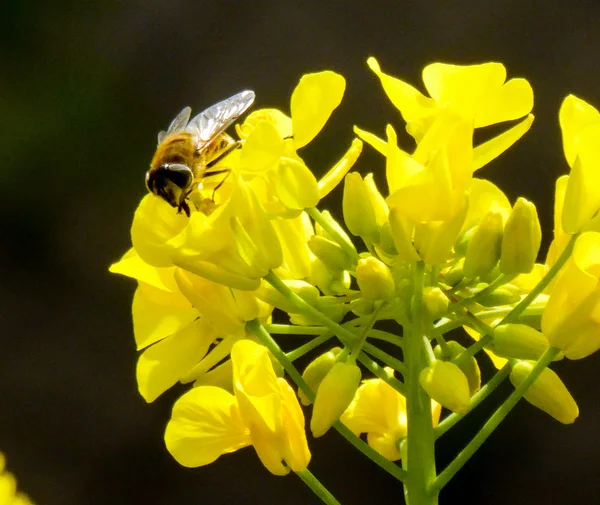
x=227 y=171
x=185 y=207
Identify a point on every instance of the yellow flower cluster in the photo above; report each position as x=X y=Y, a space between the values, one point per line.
x=443 y=249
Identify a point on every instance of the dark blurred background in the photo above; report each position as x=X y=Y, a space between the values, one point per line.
x=84 y=88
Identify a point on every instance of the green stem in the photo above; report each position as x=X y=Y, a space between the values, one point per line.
x=316 y=487
x=309 y=346
x=365 y=331
x=292 y=329
x=345 y=336
x=493 y=422
x=420 y=449
x=477 y=398
x=514 y=314
x=395 y=363
x=342 y=240
x=499 y=281
x=380 y=373
x=256 y=328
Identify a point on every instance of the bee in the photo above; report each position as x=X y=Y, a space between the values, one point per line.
x=187 y=149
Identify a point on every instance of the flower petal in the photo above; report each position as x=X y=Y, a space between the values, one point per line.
x=162 y=365
x=205 y=424
x=574 y=116
x=411 y=103
x=262 y=149
x=158 y=314
x=486 y=152
x=512 y=101
x=314 y=99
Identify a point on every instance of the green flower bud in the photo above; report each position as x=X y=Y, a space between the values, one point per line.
x=334 y=395
x=547 y=393
x=462 y=243
x=358 y=210
x=436 y=302
x=522 y=239
x=446 y=383
x=380 y=208
x=326 y=215
x=316 y=371
x=328 y=281
x=374 y=279
x=483 y=251
x=506 y=294
x=386 y=240
x=518 y=341
x=455 y=274
x=304 y=290
x=469 y=367
x=329 y=253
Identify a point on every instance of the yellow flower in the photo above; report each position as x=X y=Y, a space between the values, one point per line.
x=234 y=245
x=8 y=488
x=263 y=411
x=478 y=93
x=380 y=411
x=268 y=156
x=177 y=316
x=207 y=421
x=580 y=126
x=571 y=319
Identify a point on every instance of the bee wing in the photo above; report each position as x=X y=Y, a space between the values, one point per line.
x=179 y=123
x=214 y=120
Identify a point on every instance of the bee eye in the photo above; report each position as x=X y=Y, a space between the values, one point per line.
x=180 y=175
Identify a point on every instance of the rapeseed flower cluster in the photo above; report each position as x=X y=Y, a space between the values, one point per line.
x=257 y=264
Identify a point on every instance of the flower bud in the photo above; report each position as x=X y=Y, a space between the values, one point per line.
x=316 y=371
x=358 y=210
x=386 y=240
x=503 y=295
x=380 y=208
x=483 y=251
x=335 y=393
x=329 y=253
x=547 y=393
x=455 y=274
x=436 y=302
x=329 y=282
x=402 y=233
x=445 y=383
x=270 y=295
x=522 y=239
x=518 y=341
x=469 y=367
x=374 y=279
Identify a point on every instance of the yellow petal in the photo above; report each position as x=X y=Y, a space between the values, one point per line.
x=131 y=265
x=373 y=140
x=335 y=175
x=295 y=185
x=574 y=116
x=281 y=122
x=205 y=424
x=464 y=88
x=314 y=99
x=162 y=365
x=512 y=101
x=155 y=225
x=486 y=152
x=262 y=149
x=582 y=197
x=484 y=197
x=400 y=168
x=158 y=314
x=411 y=103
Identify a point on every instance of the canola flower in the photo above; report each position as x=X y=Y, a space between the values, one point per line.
x=365 y=306
x=8 y=487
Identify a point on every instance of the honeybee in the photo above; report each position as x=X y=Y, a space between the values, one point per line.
x=187 y=149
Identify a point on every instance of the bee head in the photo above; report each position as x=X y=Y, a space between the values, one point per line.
x=171 y=182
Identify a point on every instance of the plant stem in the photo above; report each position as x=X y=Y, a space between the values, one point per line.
x=420 y=439
x=493 y=422
x=316 y=487
x=345 y=336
